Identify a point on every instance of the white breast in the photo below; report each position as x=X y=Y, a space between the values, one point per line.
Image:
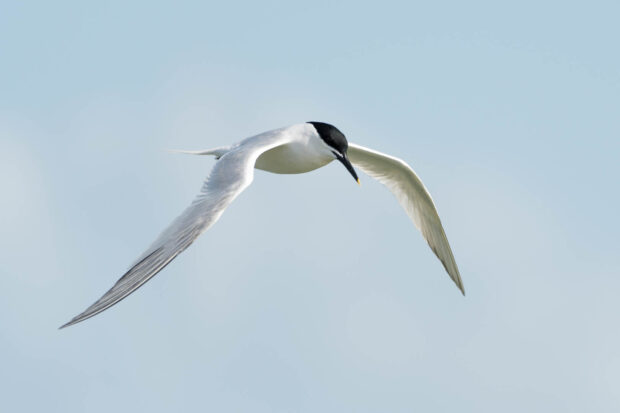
x=305 y=153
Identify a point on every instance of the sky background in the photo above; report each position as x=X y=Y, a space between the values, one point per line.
x=312 y=294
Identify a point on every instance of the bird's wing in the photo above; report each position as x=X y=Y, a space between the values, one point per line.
x=230 y=176
x=413 y=196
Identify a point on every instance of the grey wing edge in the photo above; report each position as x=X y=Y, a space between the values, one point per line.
x=135 y=277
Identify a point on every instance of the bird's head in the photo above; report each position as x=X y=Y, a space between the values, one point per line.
x=337 y=144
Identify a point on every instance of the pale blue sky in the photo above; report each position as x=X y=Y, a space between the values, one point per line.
x=509 y=113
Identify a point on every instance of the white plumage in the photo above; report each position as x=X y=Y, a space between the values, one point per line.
x=296 y=149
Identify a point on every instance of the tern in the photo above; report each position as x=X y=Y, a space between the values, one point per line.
x=294 y=149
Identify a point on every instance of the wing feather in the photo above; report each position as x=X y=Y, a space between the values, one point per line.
x=413 y=196
x=230 y=176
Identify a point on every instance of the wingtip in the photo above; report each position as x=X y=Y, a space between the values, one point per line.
x=77 y=319
x=68 y=324
x=460 y=286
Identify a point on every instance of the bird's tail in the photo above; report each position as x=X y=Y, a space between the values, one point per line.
x=217 y=152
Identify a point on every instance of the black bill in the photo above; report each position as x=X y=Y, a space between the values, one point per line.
x=347 y=164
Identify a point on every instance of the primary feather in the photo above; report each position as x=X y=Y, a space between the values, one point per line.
x=413 y=196
x=230 y=176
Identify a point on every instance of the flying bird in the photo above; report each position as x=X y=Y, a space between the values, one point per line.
x=294 y=149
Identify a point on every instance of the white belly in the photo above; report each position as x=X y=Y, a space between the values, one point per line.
x=293 y=158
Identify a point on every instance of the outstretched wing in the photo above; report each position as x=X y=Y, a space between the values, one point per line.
x=230 y=176
x=403 y=182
